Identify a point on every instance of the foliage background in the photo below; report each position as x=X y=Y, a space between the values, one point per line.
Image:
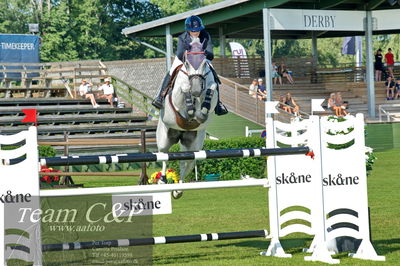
x=229 y=169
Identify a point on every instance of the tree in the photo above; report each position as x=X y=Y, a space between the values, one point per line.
x=15 y=15
x=172 y=7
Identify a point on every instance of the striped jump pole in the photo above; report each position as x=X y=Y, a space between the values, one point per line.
x=168 y=156
x=152 y=241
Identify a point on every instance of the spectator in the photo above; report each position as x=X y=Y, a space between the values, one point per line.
x=108 y=91
x=292 y=104
x=261 y=90
x=85 y=92
x=332 y=104
x=275 y=74
x=340 y=104
x=284 y=72
x=282 y=100
x=253 y=88
x=389 y=59
x=378 y=65
x=390 y=84
x=397 y=89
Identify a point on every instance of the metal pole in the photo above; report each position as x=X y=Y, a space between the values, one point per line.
x=314 y=50
x=168 y=38
x=314 y=46
x=64 y=180
x=370 y=66
x=221 y=42
x=267 y=52
x=143 y=176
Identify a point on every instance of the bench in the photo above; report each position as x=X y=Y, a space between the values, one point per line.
x=28 y=92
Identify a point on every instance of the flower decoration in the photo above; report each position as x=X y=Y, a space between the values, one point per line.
x=47 y=178
x=171 y=174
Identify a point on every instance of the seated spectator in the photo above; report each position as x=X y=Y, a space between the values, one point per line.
x=275 y=75
x=340 y=104
x=253 y=88
x=332 y=104
x=282 y=100
x=284 y=72
x=390 y=84
x=85 y=92
x=261 y=90
x=108 y=91
x=397 y=89
x=292 y=104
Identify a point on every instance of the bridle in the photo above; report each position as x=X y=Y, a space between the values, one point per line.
x=196 y=76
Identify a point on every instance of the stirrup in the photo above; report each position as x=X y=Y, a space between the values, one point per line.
x=157 y=102
x=220 y=109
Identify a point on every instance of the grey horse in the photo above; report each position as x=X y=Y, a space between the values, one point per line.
x=186 y=111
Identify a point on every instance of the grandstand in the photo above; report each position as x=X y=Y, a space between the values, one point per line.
x=51 y=88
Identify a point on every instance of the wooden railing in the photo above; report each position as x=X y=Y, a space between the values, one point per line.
x=48 y=79
x=391 y=111
x=134 y=97
x=236 y=97
x=303 y=69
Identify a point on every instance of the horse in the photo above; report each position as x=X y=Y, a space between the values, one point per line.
x=186 y=111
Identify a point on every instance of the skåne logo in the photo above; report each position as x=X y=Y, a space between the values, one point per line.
x=17 y=198
x=293 y=179
x=340 y=181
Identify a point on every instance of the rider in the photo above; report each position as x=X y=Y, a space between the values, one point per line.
x=194 y=29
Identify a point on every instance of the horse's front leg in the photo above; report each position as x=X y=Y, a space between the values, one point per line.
x=202 y=114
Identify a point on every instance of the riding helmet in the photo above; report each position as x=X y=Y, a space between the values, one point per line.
x=194 y=23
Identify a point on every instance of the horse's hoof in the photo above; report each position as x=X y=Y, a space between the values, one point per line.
x=200 y=117
x=190 y=113
x=176 y=194
x=162 y=180
x=204 y=111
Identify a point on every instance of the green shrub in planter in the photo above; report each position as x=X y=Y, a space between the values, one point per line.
x=46 y=151
x=232 y=168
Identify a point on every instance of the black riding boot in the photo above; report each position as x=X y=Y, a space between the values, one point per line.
x=159 y=99
x=220 y=109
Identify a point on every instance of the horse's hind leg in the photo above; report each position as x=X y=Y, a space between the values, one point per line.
x=165 y=139
x=191 y=141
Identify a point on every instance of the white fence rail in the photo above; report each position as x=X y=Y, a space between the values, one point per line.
x=391 y=111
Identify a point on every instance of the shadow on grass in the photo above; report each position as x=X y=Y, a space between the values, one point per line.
x=292 y=246
x=386 y=246
x=183 y=258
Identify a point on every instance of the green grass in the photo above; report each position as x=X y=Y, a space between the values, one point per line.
x=225 y=210
x=230 y=125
